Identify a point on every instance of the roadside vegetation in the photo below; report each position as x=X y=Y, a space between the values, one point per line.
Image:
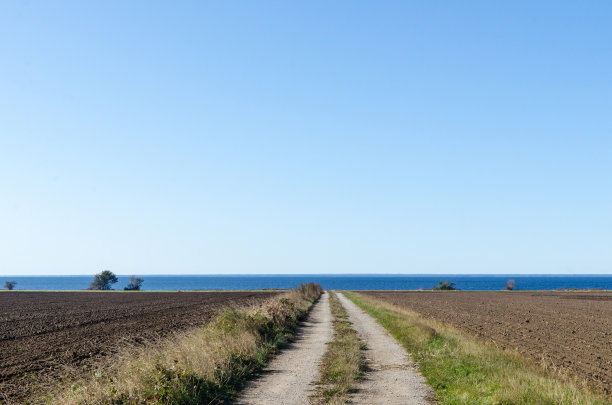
x=463 y=370
x=344 y=361
x=207 y=365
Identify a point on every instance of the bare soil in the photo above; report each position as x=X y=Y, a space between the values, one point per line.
x=567 y=332
x=45 y=336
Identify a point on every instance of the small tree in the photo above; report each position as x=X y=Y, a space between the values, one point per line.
x=135 y=283
x=9 y=285
x=103 y=281
x=510 y=285
x=445 y=285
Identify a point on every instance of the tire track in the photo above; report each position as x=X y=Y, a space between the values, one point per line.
x=391 y=377
x=287 y=379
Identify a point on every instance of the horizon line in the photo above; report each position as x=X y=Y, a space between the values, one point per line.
x=314 y=274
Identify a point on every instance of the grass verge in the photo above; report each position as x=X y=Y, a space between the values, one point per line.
x=463 y=370
x=208 y=365
x=343 y=362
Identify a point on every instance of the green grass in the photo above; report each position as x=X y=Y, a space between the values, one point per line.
x=343 y=362
x=207 y=365
x=463 y=370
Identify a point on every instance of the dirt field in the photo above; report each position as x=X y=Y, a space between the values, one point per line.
x=46 y=335
x=568 y=331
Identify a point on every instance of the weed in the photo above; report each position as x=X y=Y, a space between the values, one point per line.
x=344 y=361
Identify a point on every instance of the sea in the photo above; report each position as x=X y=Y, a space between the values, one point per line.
x=328 y=281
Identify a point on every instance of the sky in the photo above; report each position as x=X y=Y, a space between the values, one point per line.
x=154 y=137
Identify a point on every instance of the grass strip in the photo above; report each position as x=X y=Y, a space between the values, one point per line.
x=463 y=370
x=207 y=365
x=344 y=361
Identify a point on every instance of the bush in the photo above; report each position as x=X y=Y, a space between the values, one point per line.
x=135 y=283
x=445 y=285
x=103 y=281
x=310 y=291
x=9 y=285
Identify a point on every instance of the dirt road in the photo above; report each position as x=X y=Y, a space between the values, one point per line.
x=392 y=377
x=287 y=380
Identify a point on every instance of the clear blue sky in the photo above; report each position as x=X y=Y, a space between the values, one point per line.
x=296 y=137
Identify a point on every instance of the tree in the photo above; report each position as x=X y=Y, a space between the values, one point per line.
x=510 y=285
x=135 y=283
x=9 y=285
x=445 y=285
x=103 y=281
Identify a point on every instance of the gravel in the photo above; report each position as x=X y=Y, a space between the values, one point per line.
x=391 y=377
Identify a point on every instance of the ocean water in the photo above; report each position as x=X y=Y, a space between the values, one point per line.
x=340 y=282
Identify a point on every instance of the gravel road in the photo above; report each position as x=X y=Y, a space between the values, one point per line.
x=288 y=377
x=392 y=377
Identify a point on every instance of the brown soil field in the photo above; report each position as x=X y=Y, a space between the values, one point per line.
x=567 y=332
x=45 y=336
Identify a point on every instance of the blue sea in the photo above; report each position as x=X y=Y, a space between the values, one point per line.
x=340 y=282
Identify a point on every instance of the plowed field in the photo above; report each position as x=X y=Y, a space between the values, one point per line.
x=568 y=331
x=47 y=335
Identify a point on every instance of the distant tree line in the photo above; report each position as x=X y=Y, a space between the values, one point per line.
x=104 y=281
x=445 y=285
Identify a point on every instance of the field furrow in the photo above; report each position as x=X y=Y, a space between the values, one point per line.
x=45 y=336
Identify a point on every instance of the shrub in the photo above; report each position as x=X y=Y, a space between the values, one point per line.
x=310 y=291
x=135 y=283
x=445 y=285
x=103 y=281
x=9 y=285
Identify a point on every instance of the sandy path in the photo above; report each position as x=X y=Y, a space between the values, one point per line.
x=288 y=377
x=392 y=378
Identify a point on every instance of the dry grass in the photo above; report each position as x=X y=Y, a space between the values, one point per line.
x=463 y=370
x=207 y=365
x=344 y=361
